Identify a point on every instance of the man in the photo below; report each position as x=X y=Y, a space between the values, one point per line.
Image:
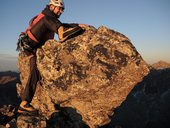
x=42 y=28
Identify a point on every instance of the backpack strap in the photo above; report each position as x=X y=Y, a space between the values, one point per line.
x=32 y=22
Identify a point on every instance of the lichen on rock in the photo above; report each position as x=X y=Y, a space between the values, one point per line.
x=92 y=73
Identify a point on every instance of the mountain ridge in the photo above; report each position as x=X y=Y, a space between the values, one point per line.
x=94 y=80
x=161 y=65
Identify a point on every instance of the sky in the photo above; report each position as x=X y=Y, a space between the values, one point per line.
x=145 y=22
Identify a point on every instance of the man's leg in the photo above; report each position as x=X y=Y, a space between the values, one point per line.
x=34 y=77
x=30 y=87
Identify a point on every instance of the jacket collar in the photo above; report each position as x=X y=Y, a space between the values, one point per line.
x=48 y=12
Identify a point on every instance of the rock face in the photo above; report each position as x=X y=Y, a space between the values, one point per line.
x=147 y=105
x=92 y=73
x=26 y=121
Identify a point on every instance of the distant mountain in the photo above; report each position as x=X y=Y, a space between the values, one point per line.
x=8 y=76
x=8 y=94
x=9 y=73
x=161 y=65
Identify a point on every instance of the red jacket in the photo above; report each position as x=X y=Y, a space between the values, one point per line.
x=43 y=27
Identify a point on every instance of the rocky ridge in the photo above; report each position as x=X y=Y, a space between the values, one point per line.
x=161 y=65
x=87 y=76
x=146 y=105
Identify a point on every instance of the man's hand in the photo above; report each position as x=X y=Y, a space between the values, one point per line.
x=83 y=25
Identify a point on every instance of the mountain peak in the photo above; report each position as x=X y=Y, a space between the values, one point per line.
x=161 y=65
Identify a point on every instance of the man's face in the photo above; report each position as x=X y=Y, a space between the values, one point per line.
x=58 y=11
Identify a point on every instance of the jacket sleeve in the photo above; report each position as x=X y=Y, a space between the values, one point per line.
x=52 y=24
x=70 y=24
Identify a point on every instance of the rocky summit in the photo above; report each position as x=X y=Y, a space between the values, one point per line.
x=85 y=78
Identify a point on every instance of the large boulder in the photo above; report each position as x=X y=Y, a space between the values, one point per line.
x=92 y=73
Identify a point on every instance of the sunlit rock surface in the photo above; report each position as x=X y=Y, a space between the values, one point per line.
x=91 y=74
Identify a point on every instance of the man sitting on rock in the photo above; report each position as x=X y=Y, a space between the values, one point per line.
x=42 y=28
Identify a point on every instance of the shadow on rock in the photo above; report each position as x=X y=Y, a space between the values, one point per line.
x=147 y=105
x=66 y=117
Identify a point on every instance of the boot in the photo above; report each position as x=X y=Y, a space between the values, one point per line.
x=66 y=32
x=26 y=108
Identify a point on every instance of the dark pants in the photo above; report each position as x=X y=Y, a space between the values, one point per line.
x=33 y=79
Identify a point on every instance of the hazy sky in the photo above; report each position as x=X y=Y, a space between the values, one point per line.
x=145 y=22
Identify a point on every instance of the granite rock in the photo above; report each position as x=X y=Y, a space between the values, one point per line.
x=91 y=73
